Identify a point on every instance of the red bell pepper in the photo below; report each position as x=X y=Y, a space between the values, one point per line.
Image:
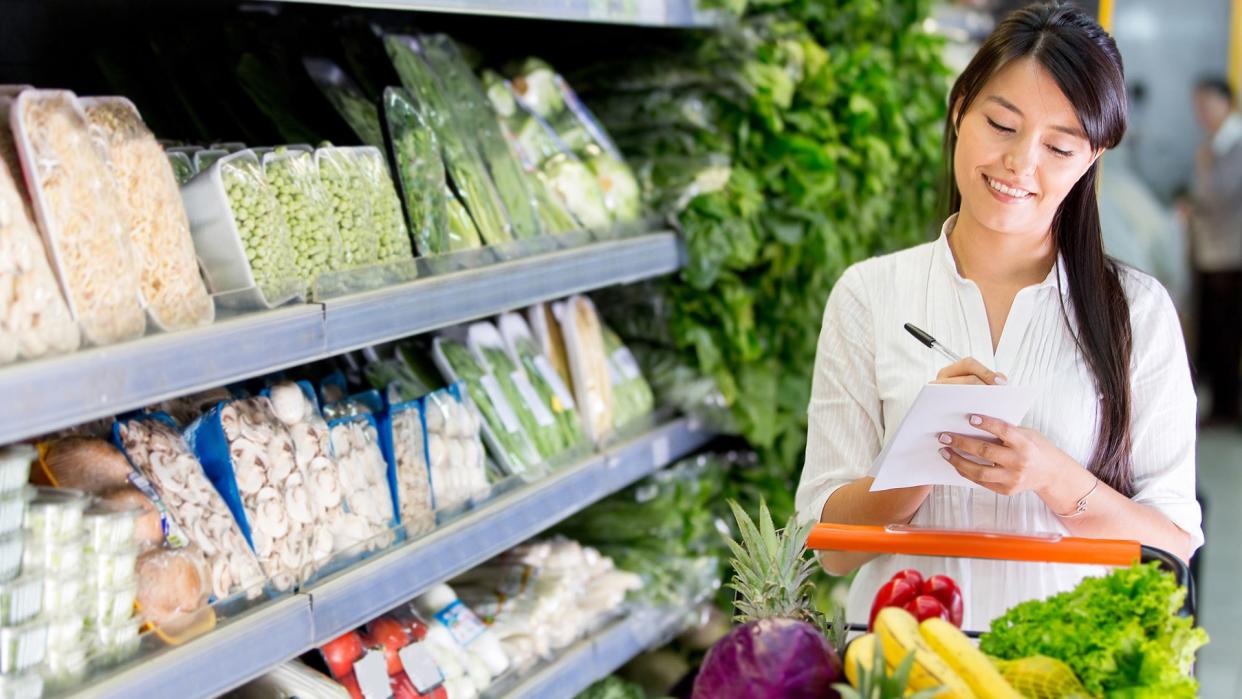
x=943 y=588
x=897 y=592
x=927 y=607
x=907 y=589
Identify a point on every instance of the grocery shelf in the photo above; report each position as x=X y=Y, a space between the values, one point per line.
x=651 y=13
x=362 y=593
x=598 y=656
x=57 y=392
x=249 y=644
x=232 y=654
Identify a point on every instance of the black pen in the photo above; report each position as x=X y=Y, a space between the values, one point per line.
x=932 y=343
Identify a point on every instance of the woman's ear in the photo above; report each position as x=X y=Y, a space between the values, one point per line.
x=956 y=110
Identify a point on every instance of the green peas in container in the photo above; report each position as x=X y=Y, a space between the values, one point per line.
x=260 y=227
x=307 y=210
x=342 y=172
x=392 y=237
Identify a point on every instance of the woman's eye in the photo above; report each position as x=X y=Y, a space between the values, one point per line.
x=998 y=127
x=1060 y=153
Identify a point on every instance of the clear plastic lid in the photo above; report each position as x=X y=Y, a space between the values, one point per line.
x=110 y=526
x=21 y=599
x=108 y=569
x=22 y=647
x=54 y=557
x=56 y=513
x=112 y=605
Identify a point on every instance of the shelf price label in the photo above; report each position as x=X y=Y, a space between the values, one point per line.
x=660 y=451
x=420 y=667
x=371 y=671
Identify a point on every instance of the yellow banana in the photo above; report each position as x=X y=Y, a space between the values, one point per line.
x=860 y=651
x=898 y=634
x=967 y=661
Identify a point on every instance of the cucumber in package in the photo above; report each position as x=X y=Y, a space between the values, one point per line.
x=547 y=382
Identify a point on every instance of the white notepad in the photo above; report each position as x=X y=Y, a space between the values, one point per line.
x=912 y=456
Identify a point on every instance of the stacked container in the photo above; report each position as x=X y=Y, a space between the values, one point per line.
x=23 y=634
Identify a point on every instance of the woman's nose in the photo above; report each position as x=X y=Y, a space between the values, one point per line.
x=1020 y=159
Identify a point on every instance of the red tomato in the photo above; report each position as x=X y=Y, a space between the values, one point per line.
x=341 y=652
x=911 y=576
x=897 y=592
x=415 y=629
x=402 y=687
x=350 y=683
x=388 y=632
x=943 y=588
x=926 y=607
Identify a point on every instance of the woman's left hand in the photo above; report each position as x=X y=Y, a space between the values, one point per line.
x=1024 y=460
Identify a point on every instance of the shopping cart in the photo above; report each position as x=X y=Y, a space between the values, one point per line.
x=959 y=543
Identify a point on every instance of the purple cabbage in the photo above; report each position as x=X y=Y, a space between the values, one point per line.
x=774 y=658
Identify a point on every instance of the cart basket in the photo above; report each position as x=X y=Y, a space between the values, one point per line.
x=961 y=543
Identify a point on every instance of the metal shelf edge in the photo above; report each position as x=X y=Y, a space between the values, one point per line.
x=646 y=13
x=382 y=583
x=222 y=659
x=595 y=657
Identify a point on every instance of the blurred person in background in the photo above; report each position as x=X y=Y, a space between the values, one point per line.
x=1216 y=246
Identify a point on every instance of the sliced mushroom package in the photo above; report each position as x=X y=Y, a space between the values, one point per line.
x=366 y=489
x=162 y=456
x=78 y=206
x=249 y=455
x=455 y=455
x=402 y=436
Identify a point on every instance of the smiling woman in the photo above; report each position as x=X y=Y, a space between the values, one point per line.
x=1019 y=281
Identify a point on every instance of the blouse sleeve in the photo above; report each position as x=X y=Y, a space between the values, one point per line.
x=844 y=430
x=1164 y=412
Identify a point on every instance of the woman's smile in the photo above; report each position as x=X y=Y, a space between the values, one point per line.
x=1005 y=192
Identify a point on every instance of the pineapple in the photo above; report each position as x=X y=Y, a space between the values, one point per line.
x=771 y=570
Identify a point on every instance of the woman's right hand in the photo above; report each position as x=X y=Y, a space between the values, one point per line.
x=970 y=371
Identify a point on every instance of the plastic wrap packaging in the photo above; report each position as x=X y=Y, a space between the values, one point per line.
x=588 y=362
x=462 y=160
x=186 y=409
x=204 y=158
x=547 y=331
x=364 y=480
x=15 y=462
x=86 y=463
x=148 y=530
x=158 y=451
x=403 y=440
x=249 y=455
x=344 y=178
x=474 y=113
x=461 y=232
x=455 y=455
x=240 y=235
x=547 y=382
x=295 y=406
x=393 y=239
x=533 y=411
x=308 y=212
x=78 y=206
x=182 y=167
x=454 y=627
x=420 y=169
x=155 y=217
x=632 y=394
x=502 y=429
x=34 y=318
x=347 y=98
x=172 y=583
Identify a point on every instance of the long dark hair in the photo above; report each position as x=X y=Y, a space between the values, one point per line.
x=1083 y=60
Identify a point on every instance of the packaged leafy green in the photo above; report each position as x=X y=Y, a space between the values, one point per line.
x=575 y=185
x=533 y=410
x=462 y=161
x=631 y=393
x=461 y=233
x=502 y=429
x=474 y=112
x=546 y=381
x=357 y=111
x=420 y=169
x=313 y=234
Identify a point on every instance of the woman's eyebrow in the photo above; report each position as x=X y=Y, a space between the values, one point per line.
x=1071 y=130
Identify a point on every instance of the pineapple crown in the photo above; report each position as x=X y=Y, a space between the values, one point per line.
x=771 y=570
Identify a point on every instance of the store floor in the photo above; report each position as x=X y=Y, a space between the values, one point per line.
x=1220 y=607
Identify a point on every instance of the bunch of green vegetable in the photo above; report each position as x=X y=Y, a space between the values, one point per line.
x=632 y=396
x=567 y=419
x=1120 y=633
x=420 y=169
x=823 y=119
x=546 y=434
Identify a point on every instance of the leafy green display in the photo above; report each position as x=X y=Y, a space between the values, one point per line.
x=1120 y=633
x=828 y=116
x=567 y=418
x=420 y=169
x=632 y=397
x=548 y=439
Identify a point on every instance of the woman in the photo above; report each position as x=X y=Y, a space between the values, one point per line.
x=1019 y=280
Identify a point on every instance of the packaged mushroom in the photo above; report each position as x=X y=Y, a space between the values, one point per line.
x=248 y=454
x=78 y=206
x=172 y=583
x=156 y=220
x=367 y=489
x=402 y=438
x=158 y=451
x=296 y=408
x=455 y=456
x=34 y=319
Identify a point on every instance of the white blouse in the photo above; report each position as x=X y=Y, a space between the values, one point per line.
x=868 y=371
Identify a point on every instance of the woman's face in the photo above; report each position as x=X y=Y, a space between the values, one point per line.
x=1020 y=150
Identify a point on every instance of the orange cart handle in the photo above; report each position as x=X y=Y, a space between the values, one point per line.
x=1043 y=548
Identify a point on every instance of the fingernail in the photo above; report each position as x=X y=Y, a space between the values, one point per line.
x=946 y=439
x=944 y=454
x=976 y=420
x=1001 y=380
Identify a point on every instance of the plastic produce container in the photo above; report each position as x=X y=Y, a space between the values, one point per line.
x=307 y=209
x=55 y=514
x=240 y=236
x=25 y=686
x=110 y=529
x=21 y=599
x=109 y=569
x=116 y=642
x=66 y=630
x=64 y=591
x=113 y=605
x=78 y=207
x=12 y=549
x=22 y=647
x=13 y=505
x=55 y=558
x=15 y=464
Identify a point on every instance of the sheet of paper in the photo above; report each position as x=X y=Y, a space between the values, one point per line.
x=912 y=456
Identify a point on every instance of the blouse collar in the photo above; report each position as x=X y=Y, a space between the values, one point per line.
x=1056 y=279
